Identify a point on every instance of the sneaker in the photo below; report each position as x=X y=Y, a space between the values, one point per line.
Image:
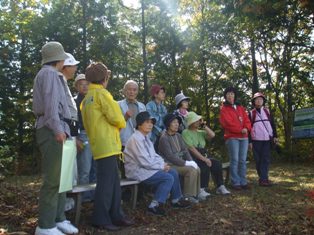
x=156 y=210
x=201 y=198
x=245 y=187
x=222 y=190
x=49 y=231
x=182 y=203
x=203 y=193
x=193 y=200
x=236 y=187
x=66 y=227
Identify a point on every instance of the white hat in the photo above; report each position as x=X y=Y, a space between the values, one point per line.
x=70 y=61
x=79 y=77
x=180 y=97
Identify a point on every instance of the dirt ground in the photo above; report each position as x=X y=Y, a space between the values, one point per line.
x=282 y=209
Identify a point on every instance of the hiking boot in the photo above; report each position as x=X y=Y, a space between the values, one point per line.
x=49 y=231
x=236 y=187
x=203 y=193
x=182 y=203
x=66 y=227
x=222 y=190
x=245 y=187
x=156 y=210
x=265 y=183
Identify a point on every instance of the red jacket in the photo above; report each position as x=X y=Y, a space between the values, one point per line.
x=234 y=120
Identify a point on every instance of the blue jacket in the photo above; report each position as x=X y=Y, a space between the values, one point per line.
x=126 y=132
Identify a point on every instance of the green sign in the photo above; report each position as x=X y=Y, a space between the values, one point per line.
x=303 y=125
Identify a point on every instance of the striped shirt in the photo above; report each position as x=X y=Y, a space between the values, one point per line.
x=50 y=100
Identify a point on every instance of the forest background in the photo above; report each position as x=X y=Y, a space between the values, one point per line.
x=199 y=47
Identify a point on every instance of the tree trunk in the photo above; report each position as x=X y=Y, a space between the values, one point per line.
x=144 y=53
x=255 y=87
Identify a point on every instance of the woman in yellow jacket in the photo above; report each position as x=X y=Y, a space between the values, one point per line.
x=103 y=119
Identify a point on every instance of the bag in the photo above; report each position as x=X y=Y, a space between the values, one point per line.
x=203 y=151
x=73 y=128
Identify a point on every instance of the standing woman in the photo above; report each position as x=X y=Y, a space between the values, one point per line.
x=236 y=124
x=263 y=132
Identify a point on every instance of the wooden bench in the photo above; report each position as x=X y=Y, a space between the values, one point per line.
x=226 y=168
x=77 y=191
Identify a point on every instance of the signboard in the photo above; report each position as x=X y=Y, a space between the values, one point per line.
x=303 y=124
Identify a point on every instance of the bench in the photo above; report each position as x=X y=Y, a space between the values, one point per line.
x=226 y=168
x=76 y=194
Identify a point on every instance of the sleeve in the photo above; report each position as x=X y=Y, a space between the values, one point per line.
x=186 y=137
x=112 y=111
x=246 y=119
x=136 y=149
x=227 y=121
x=51 y=102
x=273 y=126
x=187 y=156
x=150 y=109
x=166 y=152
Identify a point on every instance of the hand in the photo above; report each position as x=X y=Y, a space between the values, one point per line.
x=276 y=141
x=60 y=137
x=202 y=124
x=250 y=146
x=166 y=167
x=128 y=114
x=244 y=131
x=208 y=162
x=79 y=145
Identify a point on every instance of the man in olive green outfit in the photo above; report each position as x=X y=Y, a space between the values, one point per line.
x=52 y=115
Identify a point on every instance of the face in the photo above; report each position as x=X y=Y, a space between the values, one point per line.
x=258 y=102
x=131 y=91
x=69 y=71
x=184 y=104
x=195 y=125
x=174 y=126
x=230 y=97
x=161 y=95
x=82 y=86
x=59 y=65
x=146 y=127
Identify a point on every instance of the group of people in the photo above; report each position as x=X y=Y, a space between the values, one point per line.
x=156 y=147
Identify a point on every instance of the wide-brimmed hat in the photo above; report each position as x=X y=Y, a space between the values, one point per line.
x=79 y=77
x=70 y=61
x=180 y=97
x=169 y=118
x=154 y=90
x=52 y=51
x=142 y=117
x=191 y=118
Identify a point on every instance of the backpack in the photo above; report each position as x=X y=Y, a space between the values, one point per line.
x=253 y=117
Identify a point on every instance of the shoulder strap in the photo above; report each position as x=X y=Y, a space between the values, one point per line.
x=267 y=113
x=253 y=117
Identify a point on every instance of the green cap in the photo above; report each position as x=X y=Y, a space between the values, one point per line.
x=191 y=118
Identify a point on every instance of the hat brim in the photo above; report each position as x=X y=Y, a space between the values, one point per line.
x=195 y=119
x=61 y=57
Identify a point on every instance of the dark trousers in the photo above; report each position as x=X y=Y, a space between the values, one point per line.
x=107 y=201
x=215 y=170
x=261 y=153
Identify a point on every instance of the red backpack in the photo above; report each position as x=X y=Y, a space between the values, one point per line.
x=253 y=117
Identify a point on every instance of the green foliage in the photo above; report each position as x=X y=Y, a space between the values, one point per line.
x=199 y=47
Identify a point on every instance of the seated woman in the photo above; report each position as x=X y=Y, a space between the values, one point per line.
x=195 y=138
x=142 y=163
x=173 y=149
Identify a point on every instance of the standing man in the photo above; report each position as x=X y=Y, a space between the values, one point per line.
x=85 y=163
x=262 y=133
x=50 y=105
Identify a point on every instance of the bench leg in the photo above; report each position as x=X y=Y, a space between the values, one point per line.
x=134 y=190
x=78 y=208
